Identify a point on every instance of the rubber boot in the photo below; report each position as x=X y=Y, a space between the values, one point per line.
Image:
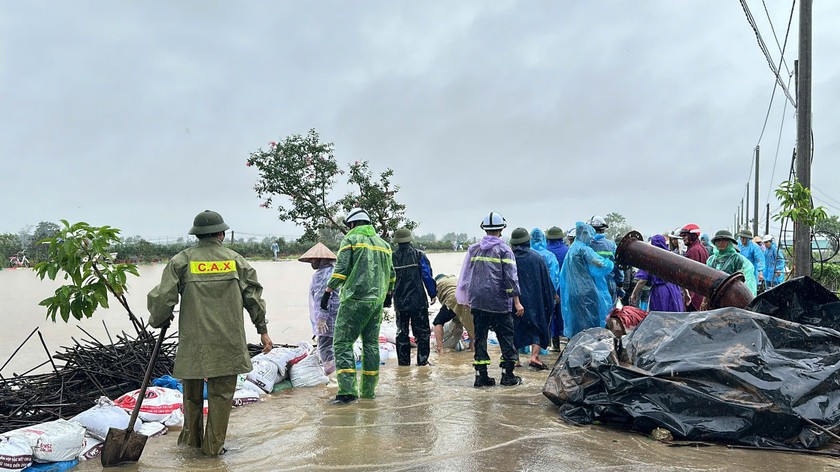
x=508 y=378
x=481 y=377
x=555 y=344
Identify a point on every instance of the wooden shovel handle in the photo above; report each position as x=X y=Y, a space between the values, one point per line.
x=142 y=394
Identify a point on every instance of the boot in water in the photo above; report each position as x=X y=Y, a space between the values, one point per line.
x=482 y=379
x=343 y=399
x=508 y=378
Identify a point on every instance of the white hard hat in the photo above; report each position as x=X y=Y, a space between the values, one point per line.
x=767 y=238
x=493 y=221
x=597 y=222
x=571 y=233
x=356 y=214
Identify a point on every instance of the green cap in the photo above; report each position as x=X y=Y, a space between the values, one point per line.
x=724 y=234
x=745 y=233
x=520 y=236
x=403 y=235
x=440 y=276
x=208 y=222
x=554 y=233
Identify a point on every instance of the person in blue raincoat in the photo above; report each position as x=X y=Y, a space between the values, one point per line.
x=538 y=244
x=585 y=299
x=752 y=252
x=774 y=262
x=606 y=248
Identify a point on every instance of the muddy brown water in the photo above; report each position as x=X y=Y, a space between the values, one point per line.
x=428 y=418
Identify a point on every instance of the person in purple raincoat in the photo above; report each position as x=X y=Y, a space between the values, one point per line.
x=489 y=285
x=322 y=261
x=664 y=296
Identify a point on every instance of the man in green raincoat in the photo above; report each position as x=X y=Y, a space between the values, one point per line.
x=365 y=273
x=214 y=285
x=727 y=259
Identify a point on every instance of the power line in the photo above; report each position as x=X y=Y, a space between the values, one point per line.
x=763 y=46
x=826 y=195
x=773 y=29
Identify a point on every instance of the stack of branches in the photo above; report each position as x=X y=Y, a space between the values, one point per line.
x=89 y=369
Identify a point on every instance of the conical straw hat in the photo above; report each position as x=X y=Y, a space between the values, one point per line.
x=318 y=251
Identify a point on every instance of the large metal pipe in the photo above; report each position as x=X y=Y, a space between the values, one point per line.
x=720 y=288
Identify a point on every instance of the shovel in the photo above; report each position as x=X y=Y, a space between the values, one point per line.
x=124 y=446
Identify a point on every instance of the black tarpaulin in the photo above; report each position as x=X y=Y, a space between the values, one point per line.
x=728 y=375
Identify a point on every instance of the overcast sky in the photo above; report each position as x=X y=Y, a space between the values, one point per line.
x=141 y=114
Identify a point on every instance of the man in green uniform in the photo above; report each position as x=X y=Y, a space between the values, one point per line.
x=365 y=273
x=214 y=284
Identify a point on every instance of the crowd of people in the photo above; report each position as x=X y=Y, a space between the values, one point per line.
x=535 y=291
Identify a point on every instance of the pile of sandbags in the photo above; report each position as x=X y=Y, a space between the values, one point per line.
x=299 y=365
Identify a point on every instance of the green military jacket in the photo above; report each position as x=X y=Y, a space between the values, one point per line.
x=214 y=284
x=364 y=269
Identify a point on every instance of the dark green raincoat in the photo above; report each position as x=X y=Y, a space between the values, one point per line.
x=214 y=284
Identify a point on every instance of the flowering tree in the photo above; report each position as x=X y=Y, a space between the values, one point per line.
x=298 y=174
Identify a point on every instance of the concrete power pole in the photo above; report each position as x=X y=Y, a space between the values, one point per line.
x=755 y=197
x=747 y=209
x=802 y=232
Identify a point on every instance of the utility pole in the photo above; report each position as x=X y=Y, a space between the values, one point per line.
x=741 y=220
x=755 y=197
x=802 y=232
x=767 y=223
x=747 y=209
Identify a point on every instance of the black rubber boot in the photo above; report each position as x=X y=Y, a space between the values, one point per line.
x=481 y=377
x=343 y=399
x=508 y=378
x=555 y=344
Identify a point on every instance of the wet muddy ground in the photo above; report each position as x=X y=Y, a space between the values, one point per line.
x=424 y=418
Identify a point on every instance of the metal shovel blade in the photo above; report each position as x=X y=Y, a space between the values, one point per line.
x=122 y=447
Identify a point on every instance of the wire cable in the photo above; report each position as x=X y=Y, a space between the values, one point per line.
x=763 y=46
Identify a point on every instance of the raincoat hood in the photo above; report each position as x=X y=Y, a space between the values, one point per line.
x=705 y=238
x=584 y=233
x=659 y=241
x=488 y=242
x=730 y=249
x=538 y=241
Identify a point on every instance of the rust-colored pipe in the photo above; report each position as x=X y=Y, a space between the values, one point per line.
x=720 y=288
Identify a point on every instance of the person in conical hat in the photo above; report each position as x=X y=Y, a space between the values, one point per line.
x=322 y=320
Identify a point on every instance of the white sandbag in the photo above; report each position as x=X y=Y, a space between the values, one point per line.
x=387 y=351
x=102 y=416
x=153 y=429
x=91 y=448
x=281 y=356
x=54 y=441
x=245 y=396
x=264 y=375
x=175 y=419
x=158 y=404
x=388 y=333
x=15 y=454
x=357 y=351
x=308 y=373
x=248 y=385
x=240 y=380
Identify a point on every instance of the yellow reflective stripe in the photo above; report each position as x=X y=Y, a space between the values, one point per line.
x=487 y=362
x=508 y=290
x=370 y=372
x=604 y=253
x=492 y=259
x=370 y=246
x=212 y=267
x=339 y=276
x=345 y=247
x=346 y=371
x=393 y=279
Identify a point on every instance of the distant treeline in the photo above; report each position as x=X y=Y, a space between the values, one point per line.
x=138 y=250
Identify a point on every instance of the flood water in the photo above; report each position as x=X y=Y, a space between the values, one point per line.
x=424 y=418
